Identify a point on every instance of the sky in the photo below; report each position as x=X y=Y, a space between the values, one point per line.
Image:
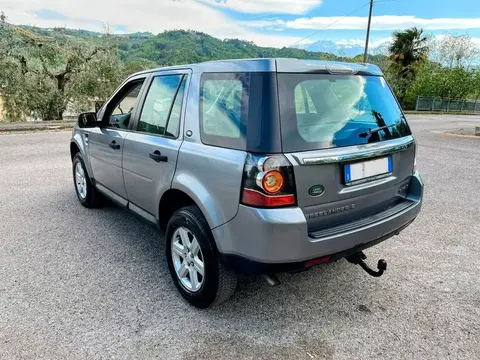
x=275 y=23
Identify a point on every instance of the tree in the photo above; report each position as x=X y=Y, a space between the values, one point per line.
x=452 y=50
x=409 y=47
x=449 y=73
x=44 y=74
x=408 y=51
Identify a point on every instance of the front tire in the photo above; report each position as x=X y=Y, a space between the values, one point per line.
x=87 y=194
x=193 y=262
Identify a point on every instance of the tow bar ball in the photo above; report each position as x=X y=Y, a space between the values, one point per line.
x=358 y=258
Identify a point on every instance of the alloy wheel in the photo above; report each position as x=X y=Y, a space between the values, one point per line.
x=80 y=181
x=187 y=259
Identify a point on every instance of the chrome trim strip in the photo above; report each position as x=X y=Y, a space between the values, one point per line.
x=359 y=152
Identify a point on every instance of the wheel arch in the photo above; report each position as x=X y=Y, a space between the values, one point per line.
x=77 y=146
x=74 y=149
x=180 y=196
x=171 y=201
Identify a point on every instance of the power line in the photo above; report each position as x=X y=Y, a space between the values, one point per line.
x=332 y=23
x=336 y=21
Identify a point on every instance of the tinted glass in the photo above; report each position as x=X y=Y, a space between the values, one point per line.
x=174 y=121
x=158 y=102
x=222 y=108
x=240 y=111
x=320 y=111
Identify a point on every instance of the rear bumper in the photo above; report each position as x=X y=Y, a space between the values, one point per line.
x=277 y=240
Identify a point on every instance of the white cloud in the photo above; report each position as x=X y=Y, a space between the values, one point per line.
x=384 y=22
x=267 y=6
x=141 y=15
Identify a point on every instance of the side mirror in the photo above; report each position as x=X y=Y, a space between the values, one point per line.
x=87 y=120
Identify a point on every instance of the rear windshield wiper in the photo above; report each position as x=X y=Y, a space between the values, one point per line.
x=373 y=131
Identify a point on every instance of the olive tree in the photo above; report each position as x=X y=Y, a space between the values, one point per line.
x=42 y=76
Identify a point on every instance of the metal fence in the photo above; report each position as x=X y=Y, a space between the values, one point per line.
x=446 y=105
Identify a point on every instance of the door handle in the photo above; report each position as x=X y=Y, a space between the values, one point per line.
x=158 y=157
x=114 y=145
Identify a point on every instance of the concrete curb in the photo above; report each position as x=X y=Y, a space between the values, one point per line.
x=27 y=127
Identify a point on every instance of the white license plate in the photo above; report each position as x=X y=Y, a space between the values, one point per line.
x=368 y=170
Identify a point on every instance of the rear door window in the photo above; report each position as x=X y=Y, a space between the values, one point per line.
x=161 y=110
x=320 y=111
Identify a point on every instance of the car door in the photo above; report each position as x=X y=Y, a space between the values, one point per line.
x=105 y=142
x=151 y=149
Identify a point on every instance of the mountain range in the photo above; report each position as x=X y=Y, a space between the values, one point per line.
x=344 y=50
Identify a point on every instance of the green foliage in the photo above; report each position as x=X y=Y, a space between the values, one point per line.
x=44 y=71
x=407 y=53
x=449 y=76
x=187 y=47
x=409 y=47
x=46 y=74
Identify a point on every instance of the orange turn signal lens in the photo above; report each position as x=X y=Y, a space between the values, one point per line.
x=272 y=182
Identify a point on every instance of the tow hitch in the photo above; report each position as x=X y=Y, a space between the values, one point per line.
x=358 y=258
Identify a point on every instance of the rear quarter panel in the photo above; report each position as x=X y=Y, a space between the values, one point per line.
x=211 y=176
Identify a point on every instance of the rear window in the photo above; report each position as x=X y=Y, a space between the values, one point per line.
x=320 y=111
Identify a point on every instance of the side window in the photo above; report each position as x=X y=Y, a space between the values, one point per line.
x=222 y=107
x=161 y=110
x=119 y=112
x=303 y=101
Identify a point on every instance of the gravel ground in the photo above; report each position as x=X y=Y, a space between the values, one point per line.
x=93 y=284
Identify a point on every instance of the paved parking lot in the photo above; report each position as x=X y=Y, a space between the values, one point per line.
x=94 y=284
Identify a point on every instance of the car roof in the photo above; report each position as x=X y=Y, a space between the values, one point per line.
x=280 y=65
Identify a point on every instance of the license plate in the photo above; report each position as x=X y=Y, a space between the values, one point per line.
x=368 y=170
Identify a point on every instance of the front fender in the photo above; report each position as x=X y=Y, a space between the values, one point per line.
x=79 y=140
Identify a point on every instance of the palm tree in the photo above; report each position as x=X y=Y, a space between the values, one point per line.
x=409 y=48
x=407 y=52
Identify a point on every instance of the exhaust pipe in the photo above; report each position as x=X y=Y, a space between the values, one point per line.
x=272 y=280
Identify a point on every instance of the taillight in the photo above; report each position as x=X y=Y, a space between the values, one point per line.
x=268 y=181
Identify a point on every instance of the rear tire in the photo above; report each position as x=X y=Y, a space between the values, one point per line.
x=87 y=194
x=213 y=283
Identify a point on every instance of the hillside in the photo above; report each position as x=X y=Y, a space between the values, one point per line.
x=182 y=47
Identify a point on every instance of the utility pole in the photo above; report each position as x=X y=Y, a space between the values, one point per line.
x=368 y=32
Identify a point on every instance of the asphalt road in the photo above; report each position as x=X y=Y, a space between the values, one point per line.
x=94 y=284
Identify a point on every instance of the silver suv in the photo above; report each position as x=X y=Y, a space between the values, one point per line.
x=255 y=166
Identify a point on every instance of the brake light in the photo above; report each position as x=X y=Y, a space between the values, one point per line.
x=268 y=181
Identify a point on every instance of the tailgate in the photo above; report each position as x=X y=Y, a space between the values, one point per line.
x=328 y=199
